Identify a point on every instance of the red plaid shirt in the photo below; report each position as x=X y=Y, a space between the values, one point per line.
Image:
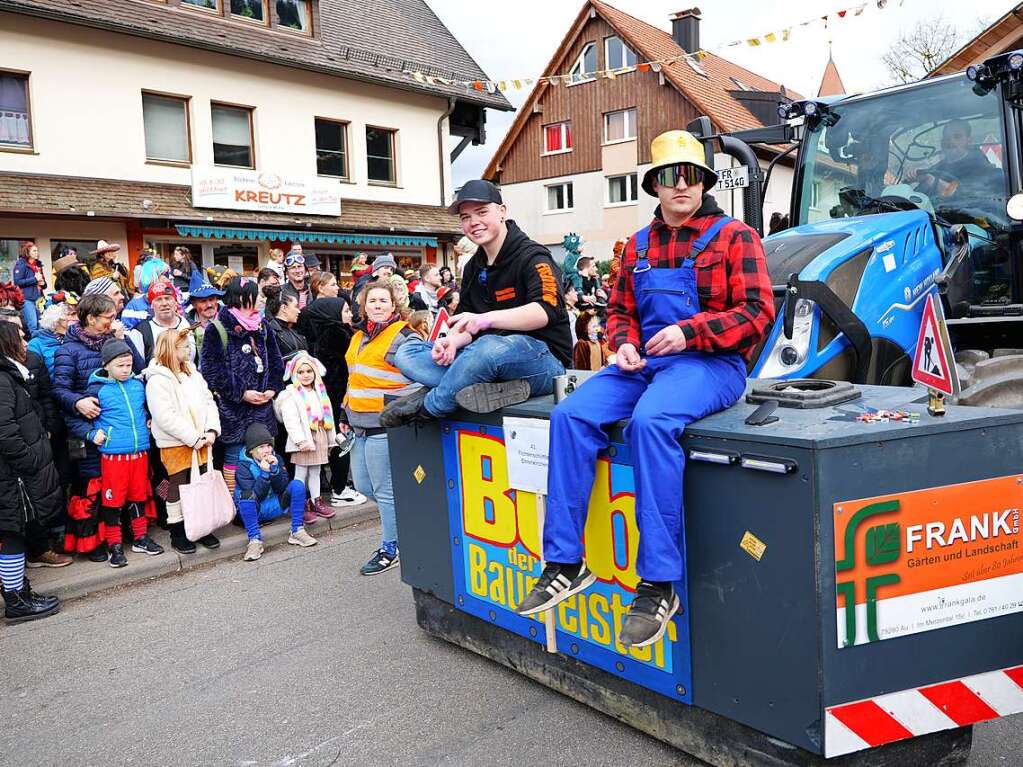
x=736 y=302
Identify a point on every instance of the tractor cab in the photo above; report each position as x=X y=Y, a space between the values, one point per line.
x=938 y=146
x=898 y=194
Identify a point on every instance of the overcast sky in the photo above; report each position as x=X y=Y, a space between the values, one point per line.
x=517 y=39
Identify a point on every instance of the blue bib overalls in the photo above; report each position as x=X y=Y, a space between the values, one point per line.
x=669 y=393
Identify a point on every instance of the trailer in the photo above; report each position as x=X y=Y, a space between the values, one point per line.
x=853 y=589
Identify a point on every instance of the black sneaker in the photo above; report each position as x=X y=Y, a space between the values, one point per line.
x=405 y=410
x=117 y=558
x=648 y=614
x=210 y=541
x=146 y=545
x=98 y=554
x=488 y=397
x=556 y=583
x=380 y=562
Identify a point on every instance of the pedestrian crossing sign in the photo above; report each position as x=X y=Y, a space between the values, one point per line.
x=934 y=364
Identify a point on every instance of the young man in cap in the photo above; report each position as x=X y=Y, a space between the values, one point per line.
x=509 y=339
x=691 y=302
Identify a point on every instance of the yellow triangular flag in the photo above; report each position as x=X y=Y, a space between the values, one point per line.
x=770 y=37
x=753 y=42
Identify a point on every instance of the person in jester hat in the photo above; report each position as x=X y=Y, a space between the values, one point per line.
x=263 y=491
x=691 y=302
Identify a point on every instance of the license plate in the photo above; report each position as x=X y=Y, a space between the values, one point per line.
x=733 y=178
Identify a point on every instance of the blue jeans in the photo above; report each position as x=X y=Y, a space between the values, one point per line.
x=486 y=360
x=371 y=470
x=30 y=316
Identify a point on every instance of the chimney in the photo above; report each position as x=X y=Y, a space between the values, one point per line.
x=685 y=29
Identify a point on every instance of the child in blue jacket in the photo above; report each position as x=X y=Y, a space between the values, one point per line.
x=263 y=491
x=121 y=432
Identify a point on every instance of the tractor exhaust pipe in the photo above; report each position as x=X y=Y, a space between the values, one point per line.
x=752 y=195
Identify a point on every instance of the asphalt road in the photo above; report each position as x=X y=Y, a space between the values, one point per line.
x=295 y=660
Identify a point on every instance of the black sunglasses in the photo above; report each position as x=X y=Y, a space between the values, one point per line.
x=671 y=174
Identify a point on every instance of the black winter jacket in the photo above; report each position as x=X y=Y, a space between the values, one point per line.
x=331 y=348
x=289 y=340
x=77 y=359
x=29 y=485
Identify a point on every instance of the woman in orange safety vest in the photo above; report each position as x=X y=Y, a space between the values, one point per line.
x=373 y=381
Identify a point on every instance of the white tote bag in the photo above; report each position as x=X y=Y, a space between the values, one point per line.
x=206 y=502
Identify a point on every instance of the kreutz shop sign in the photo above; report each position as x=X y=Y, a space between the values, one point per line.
x=259 y=190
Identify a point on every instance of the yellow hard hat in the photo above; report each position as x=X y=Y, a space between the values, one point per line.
x=673 y=147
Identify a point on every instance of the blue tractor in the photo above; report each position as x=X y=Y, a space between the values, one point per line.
x=896 y=195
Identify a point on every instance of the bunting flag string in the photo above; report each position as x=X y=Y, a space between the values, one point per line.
x=778 y=36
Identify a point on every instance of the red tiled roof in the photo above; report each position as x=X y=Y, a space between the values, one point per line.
x=24 y=194
x=709 y=92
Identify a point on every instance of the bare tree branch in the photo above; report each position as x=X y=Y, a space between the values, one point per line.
x=921 y=49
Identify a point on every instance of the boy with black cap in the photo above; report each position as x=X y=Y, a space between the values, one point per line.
x=121 y=432
x=691 y=303
x=509 y=339
x=263 y=492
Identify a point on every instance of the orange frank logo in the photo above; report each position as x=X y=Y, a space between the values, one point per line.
x=927 y=559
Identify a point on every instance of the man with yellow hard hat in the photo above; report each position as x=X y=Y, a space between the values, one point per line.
x=691 y=303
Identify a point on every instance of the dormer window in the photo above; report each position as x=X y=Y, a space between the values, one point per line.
x=585 y=65
x=617 y=55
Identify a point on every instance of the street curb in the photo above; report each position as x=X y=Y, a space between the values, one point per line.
x=83 y=577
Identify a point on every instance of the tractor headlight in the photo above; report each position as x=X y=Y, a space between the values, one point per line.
x=788 y=354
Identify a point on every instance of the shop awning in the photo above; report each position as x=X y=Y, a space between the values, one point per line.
x=332 y=238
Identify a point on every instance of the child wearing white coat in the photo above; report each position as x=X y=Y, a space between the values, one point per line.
x=304 y=409
x=185 y=418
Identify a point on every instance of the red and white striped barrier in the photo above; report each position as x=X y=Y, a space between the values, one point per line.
x=906 y=714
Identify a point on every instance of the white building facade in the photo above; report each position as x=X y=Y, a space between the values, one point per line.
x=102 y=132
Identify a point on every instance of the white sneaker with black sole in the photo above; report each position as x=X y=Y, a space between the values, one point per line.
x=556 y=584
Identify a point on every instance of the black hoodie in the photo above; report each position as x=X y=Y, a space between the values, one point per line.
x=523 y=273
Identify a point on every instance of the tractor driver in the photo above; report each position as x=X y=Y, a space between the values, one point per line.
x=962 y=167
x=691 y=302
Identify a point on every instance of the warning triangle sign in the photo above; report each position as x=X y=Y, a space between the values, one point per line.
x=440 y=326
x=933 y=363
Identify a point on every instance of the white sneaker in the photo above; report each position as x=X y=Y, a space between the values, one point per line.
x=349 y=497
x=254 y=550
x=301 y=538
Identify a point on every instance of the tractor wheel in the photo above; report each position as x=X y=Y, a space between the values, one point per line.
x=990 y=381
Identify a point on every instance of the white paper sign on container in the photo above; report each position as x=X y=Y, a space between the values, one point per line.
x=527 y=444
